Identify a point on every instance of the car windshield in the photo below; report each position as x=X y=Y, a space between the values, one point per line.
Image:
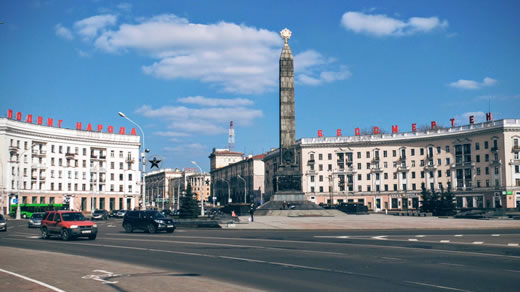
x=1 y=217
x=99 y=212
x=72 y=217
x=37 y=216
x=156 y=215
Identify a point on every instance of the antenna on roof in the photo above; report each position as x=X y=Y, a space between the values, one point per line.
x=231 y=138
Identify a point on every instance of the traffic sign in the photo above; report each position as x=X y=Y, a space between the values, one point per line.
x=15 y=201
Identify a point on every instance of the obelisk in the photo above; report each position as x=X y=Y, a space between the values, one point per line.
x=287 y=181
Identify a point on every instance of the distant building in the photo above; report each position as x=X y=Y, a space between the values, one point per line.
x=236 y=179
x=158 y=190
x=200 y=185
x=479 y=162
x=85 y=168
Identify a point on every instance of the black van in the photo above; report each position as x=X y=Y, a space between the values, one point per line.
x=148 y=221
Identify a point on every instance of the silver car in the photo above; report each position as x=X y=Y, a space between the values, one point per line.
x=35 y=220
x=3 y=223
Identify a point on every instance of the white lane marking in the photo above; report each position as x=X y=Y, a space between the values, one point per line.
x=389 y=258
x=34 y=236
x=478 y=242
x=413 y=239
x=514 y=271
x=420 y=235
x=495 y=235
x=331 y=236
x=102 y=277
x=111 y=225
x=381 y=237
x=512 y=244
x=32 y=280
x=450 y=264
x=436 y=286
x=445 y=241
x=458 y=235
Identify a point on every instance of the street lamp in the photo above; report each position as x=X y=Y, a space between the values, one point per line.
x=18 y=209
x=202 y=190
x=228 y=188
x=143 y=160
x=245 y=188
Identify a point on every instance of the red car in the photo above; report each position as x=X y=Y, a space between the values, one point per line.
x=68 y=225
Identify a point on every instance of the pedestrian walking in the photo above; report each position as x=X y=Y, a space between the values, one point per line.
x=252 y=212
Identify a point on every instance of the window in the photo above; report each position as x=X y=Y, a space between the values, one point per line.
x=422 y=174
x=439 y=161
x=395 y=175
x=438 y=149
x=385 y=154
x=121 y=165
x=312 y=178
x=487 y=170
x=395 y=187
x=120 y=154
x=368 y=165
x=394 y=153
x=321 y=189
x=320 y=156
x=359 y=176
x=120 y=176
x=477 y=158
x=496 y=170
x=422 y=162
x=486 y=157
x=368 y=188
x=385 y=164
x=60 y=149
x=112 y=153
x=486 y=144
x=320 y=167
x=52 y=148
x=413 y=174
x=421 y=151
x=112 y=165
x=412 y=152
x=329 y=156
x=439 y=173
x=478 y=170
x=321 y=177
x=477 y=146
x=368 y=176
x=359 y=166
x=329 y=167
x=448 y=161
x=368 y=154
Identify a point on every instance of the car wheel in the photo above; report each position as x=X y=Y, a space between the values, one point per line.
x=65 y=234
x=128 y=228
x=92 y=236
x=151 y=228
x=45 y=233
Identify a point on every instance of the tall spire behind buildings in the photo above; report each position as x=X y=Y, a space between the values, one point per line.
x=231 y=138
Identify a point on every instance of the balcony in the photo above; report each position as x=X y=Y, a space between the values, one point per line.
x=429 y=157
x=403 y=168
x=494 y=149
x=70 y=155
x=375 y=160
x=129 y=160
x=515 y=148
x=430 y=166
x=376 y=169
x=402 y=158
x=496 y=162
x=14 y=148
x=102 y=157
x=94 y=156
x=311 y=161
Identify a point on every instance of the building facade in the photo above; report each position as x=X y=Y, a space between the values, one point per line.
x=479 y=162
x=200 y=186
x=84 y=168
x=240 y=181
x=158 y=188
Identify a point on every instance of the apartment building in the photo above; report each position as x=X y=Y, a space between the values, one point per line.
x=479 y=162
x=86 y=168
x=237 y=180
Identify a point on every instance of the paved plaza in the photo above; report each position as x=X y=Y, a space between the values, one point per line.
x=336 y=220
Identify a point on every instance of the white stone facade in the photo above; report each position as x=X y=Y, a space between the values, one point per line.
x=89 y=169
x=386 y=171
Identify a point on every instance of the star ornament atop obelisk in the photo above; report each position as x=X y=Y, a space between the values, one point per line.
x=286 y=34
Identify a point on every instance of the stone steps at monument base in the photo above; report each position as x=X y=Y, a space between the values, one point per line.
x=300 y=213
x=298 y=205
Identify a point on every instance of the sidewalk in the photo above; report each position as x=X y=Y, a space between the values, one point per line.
x=367 y=222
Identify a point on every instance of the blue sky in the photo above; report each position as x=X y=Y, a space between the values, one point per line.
x=184 y=69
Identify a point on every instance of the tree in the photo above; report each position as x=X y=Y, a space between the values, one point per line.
x=189 y=206
x=447 y=206
x=427 y=203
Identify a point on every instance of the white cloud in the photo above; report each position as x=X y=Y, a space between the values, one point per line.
x=126 y=7
x=471 y=84
x=204 y=101
x=464 y=117
x=82 y=53
x=235 y=58
x=382 y=25
x=63 y=32
x=171 y=134
x=90 y=27
x=190 y=148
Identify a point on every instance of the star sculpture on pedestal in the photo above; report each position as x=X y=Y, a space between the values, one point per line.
x=155 y=162
x=286 y=34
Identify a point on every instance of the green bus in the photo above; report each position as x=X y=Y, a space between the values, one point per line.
x=26 y=210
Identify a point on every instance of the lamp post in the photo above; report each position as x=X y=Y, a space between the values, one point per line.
x=202 y=192
x=228 y=189
x=18 y=209
x=143 y=161
x=245 y=187
x=331 y=186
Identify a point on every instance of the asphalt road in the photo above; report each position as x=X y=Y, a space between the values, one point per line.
x=282 y=260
